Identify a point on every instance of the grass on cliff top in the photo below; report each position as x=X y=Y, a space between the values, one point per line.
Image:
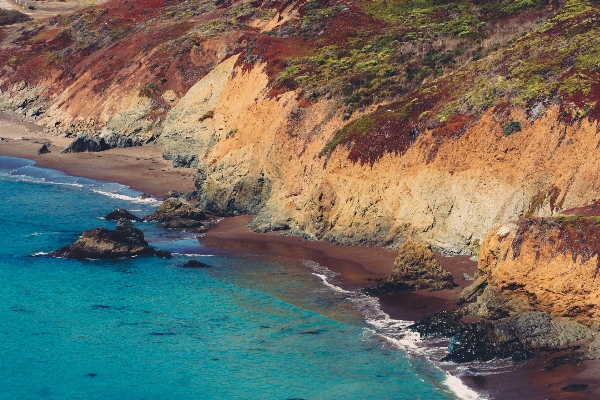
x=557 y=63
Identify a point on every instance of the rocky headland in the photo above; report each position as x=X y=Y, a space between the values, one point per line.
x=534 y=292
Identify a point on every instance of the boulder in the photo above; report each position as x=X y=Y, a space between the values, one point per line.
x=185 y=161
x=93 y=144
x=177 y=213
x=124 y=241
x=85 y=143
x=415 y=268
x=116 y=215
x=43 y=150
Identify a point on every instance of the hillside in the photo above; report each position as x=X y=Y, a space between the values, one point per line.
x=365 y=122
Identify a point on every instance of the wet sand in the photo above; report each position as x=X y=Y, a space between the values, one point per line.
x=361 y=266
x=143 y=169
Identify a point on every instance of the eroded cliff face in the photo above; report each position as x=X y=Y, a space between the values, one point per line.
x=249 y=94
x=543 y=264
x=264 y=155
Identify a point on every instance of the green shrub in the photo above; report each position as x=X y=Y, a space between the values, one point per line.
x=9 y=17
x=511 y=127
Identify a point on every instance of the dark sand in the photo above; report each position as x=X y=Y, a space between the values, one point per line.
x=143 y=168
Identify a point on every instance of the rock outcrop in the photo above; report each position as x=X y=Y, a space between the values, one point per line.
x=43 y=150
x=92 y=144
x=415 y=268
x=520 y=337
x=534 y=288
x=541 y=264
x=86 y=143
x=124 y=241
x=116 y=215
x=177 y=213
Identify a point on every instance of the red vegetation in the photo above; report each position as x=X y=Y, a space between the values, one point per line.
x=591 y=210
x=454 y=127
x=579 y=236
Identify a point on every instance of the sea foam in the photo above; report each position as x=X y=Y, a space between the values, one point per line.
x=396 y=333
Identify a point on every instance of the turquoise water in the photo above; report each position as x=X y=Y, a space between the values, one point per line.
x=145 y=328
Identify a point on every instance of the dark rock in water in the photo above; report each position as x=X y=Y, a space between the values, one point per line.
x=177 y=213
x=90 y=375
x=185 y=161
x=478 y=341
x=574 y=387
x=415 y=268
x=189 y=225
x=124 y=241
x=175 y=208
x=162 y=253
x=145 y=196
x=87 y=143
x=43 y=150
x=116 y=215
x=195 y=264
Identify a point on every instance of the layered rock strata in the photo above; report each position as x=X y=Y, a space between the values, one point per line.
x=535 y=289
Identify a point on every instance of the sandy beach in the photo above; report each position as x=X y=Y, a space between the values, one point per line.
x=143 y=169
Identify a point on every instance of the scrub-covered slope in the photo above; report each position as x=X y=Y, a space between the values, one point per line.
x=356 y=122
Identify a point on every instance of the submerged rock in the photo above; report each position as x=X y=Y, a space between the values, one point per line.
x=116 y=215
x=195 y=264
x=177 y=213
x=124 y=241
x=415 y=268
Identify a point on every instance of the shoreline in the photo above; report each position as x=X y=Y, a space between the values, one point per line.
x=143 y=169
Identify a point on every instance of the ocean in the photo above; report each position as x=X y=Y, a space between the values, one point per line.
x=250 y=327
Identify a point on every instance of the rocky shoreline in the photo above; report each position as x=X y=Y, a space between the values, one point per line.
x=520 y=336
x=354 y=273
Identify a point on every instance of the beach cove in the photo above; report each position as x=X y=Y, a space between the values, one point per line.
x=344 y=268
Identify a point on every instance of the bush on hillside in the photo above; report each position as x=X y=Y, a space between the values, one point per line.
x=511 y=127
x=9 y=17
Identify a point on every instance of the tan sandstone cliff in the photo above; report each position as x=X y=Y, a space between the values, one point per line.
x=263 y=155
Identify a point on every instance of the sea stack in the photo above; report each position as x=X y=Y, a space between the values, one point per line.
x=124 y=241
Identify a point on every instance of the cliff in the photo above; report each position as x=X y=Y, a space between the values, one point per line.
x=353 y=122
x=544 y=264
